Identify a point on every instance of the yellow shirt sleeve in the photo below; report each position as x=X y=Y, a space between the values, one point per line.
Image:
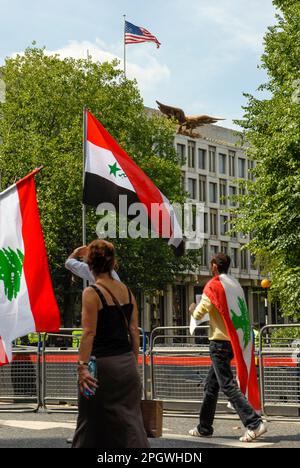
x=204 y=307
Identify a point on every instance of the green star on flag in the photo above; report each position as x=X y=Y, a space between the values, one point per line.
x=114 y=169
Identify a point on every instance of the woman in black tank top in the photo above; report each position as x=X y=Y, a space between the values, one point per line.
x=111 y=418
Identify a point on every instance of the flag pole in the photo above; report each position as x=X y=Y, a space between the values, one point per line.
x=83 y=205
x=124 y=16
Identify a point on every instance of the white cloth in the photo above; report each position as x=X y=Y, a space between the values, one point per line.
x=81 y=269
x=195 y=323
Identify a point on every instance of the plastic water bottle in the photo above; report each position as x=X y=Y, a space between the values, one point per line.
x=92 y=368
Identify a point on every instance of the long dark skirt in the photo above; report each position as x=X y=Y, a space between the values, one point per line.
x=112 y=418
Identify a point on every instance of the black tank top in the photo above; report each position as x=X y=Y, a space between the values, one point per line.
x=112 y=334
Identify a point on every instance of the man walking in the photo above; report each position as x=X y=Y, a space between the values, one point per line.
x=230 y=335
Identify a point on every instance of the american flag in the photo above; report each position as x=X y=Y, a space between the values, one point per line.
x=135 y=34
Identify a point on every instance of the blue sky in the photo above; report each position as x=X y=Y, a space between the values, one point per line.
x=208 y=58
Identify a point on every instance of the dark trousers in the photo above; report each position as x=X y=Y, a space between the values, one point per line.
x=220 y=377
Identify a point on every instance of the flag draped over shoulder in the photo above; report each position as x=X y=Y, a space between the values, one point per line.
x=27 y=301
x=110 y=173
x=228 y=297
x=136 y=34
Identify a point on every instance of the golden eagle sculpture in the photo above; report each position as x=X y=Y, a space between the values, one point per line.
x=186 y=122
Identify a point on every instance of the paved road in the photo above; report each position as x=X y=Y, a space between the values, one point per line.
x=42 y=430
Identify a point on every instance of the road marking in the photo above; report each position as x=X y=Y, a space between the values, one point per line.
x=36 y=425
x=46 y=425
x=218 y=441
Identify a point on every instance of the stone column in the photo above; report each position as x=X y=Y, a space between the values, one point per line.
x=250 y=304
x=168 y=296
x=146 y=318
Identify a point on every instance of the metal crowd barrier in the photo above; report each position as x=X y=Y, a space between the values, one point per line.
x=59 y=370
x=279 y=361
x=173 y=367
x=59 y=376
x=179 y=363
x=20 y=381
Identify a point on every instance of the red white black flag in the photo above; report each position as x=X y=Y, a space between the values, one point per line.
x=110 y=172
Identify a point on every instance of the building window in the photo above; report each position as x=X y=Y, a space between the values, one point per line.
x=194 y=221
x=232 y=163
x=232 y=193
x=181 y=154
x=201 y=158
x=191 y=153
x=212 y=159
x=233 y=234
x=202 y=188
x=212 y=192
x=213 y=222
x=251 y=166
x=253 y=265
x=234 y=257
x=244 y=260
x=183 y=180
x=179 y=305
x=242 y=191
x=223 y=194
x=222 y=163
x=224 y=248
x=242 y=168
x=223 y=225
x=204 y=260
x=214 y=249
x=192 y=188
x=205 y=223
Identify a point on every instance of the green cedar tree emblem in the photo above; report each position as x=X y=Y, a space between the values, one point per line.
x=242 y=321
x=11 y=266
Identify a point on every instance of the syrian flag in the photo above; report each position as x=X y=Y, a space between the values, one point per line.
x=228 y=297
x=110 y=172
x=27 y=302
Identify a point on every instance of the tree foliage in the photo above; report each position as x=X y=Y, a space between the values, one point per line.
x=270 y=212
x=41 y=124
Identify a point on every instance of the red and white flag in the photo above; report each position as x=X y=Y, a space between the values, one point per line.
x=228 y=297
x=27 y=301
x=110 y=173
x=136 y=34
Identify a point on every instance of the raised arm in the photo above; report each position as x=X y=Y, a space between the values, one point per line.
x=78 y=267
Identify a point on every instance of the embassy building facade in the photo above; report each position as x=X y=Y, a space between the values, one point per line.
x=211 y=163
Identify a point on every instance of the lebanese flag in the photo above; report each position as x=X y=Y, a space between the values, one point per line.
x=27 y=302
x=110 y=172
x=227 y=295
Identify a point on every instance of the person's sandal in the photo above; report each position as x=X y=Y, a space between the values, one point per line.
x=195 y=433
x=251 y=435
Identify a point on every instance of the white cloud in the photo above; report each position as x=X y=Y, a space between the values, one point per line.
x=240 y=25
x=148 y=72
